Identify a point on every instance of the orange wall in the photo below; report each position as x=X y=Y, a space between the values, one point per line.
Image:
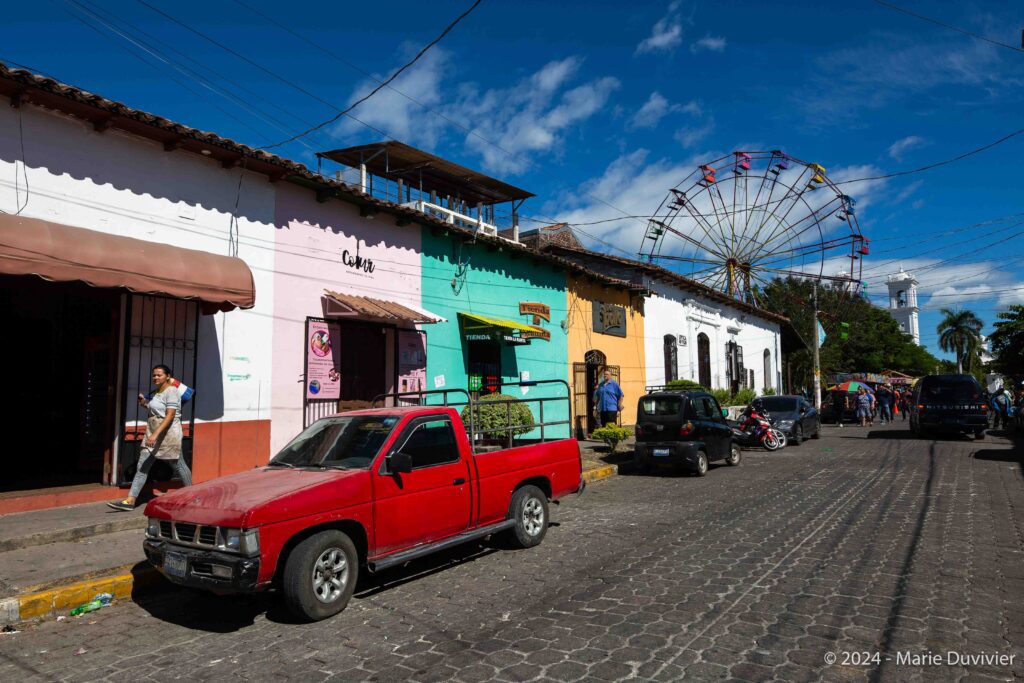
x=228 y=447
x=626 y=352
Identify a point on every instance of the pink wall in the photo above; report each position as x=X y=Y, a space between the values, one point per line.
x=310 y=239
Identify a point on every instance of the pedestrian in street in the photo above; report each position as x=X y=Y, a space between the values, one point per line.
x=863 y=403
x=884 y=398
x=608 y=400
x=1001 y=407
x=904 y=402
x=163 y=435
x=839 y=400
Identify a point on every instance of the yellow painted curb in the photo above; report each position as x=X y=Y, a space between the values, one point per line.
x=599 y=473
x=65 y=598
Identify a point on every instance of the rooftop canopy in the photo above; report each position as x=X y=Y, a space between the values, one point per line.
x=418 y=169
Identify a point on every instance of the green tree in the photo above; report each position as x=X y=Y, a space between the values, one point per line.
x=875 y=342
x=960 y=332
x=1008 y=343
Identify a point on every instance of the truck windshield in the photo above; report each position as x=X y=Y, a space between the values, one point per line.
x=344 y=442
x=950 y=390
x=777 y=404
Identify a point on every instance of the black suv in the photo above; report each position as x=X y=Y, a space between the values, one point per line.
x=950 y=404
x=683 y=429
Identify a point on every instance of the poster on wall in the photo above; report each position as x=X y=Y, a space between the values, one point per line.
x=412 y=361
x=323 y=379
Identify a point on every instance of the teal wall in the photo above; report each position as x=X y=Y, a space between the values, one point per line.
x=492 y=283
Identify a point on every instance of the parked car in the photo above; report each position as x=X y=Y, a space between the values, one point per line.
x=949 y=404
x=367 y=489
x=683 y=429
x=794 y=416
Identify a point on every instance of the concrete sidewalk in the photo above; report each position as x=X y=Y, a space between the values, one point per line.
x=53 y=560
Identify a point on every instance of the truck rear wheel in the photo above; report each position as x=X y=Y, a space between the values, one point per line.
x=529 y=509
x=320 y=575
x=701 y=468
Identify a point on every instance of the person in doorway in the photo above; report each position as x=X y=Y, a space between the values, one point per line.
x=163 y=435
x=863 y=402
x=608 y=400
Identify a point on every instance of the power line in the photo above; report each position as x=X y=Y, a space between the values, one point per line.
x=945 y=25
x=385 y=83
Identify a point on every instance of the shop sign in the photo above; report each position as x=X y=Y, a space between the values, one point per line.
x=609 y=319
x=519 y=338
x=357 y=262
x=539 y=333
x=412 y=360
x=537 y=310
x=323 y=380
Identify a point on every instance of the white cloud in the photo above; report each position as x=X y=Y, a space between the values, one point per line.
x=657 y=107
x=904 y=145
x=690 y=136
x=904 y=194
x=666 y=35
x=527 y=118
x=397 y=115
x=711 y=43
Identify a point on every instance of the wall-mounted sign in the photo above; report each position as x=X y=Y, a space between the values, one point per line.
x=682 y=339
x=609 y=319
x=355 y=261
x=537 y=310
x=323 y=380
x=539 y=333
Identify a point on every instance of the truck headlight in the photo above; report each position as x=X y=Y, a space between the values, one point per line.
x=153 y=529
x=246 y=542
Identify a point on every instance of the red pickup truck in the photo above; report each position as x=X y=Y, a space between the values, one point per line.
x=369 y=488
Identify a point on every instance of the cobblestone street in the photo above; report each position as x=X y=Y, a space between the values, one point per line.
x=865 y=541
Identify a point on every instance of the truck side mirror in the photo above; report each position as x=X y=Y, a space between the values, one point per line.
x=399 y=463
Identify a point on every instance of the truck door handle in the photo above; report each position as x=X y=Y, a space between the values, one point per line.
x=459 y=482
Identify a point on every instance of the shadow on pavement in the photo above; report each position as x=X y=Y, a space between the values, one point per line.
x=204 y=611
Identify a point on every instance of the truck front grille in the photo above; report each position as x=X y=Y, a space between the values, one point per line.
x=199 y=535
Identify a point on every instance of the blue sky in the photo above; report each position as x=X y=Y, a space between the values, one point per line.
x=599 y=110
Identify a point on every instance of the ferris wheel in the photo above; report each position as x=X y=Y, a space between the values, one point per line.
x=738 y=222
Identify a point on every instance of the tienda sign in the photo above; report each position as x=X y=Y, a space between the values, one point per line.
x=537 y=310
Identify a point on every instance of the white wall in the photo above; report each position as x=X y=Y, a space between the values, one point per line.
x=120 y=184
x=671 y=310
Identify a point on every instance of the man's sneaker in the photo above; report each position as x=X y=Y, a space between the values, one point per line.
x=122 y=505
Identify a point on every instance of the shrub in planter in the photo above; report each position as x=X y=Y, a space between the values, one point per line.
x=743 y=397
x=768 y=391
x=684 y=385
x=492 y=412
x=612 y=435
x=723 y=396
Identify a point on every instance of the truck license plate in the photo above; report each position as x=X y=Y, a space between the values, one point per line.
x=661 y=452
x=175 y=564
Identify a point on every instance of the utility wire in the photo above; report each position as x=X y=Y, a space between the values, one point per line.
x=383 y=84
x=945 y=25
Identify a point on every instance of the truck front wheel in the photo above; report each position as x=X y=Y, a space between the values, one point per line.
x=320 y=575
x=529 y=510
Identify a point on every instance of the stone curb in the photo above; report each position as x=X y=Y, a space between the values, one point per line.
x=73 y=534
x=598 y=473
x=61 y=599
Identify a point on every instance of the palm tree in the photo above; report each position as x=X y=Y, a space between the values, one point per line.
x=960 y=332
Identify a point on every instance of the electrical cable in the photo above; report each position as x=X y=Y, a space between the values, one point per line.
x=945 y=25
x=385 y=83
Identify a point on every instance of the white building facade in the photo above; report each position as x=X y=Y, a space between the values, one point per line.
x=689 y=335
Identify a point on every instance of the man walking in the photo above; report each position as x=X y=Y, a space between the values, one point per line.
x=608 y=400
x=884 y=398
x=1001 y=407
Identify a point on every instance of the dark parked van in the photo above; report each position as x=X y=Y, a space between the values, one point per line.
x=684 y=429
x=949 y=404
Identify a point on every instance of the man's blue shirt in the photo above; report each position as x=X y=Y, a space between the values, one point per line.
x=607 y=396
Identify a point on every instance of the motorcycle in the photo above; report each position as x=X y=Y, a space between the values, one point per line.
x=757 y=430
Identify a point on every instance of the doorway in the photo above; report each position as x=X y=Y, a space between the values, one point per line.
x=586 y=377
x=61 y=343
x=362 y=364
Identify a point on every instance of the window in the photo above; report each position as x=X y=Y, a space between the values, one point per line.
x=704 y=360
x=714 y=412
x=671 y=358
x=701 y=409
x=432 y=443
x=767 y=369
x=661 y=405
x=347 y=442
